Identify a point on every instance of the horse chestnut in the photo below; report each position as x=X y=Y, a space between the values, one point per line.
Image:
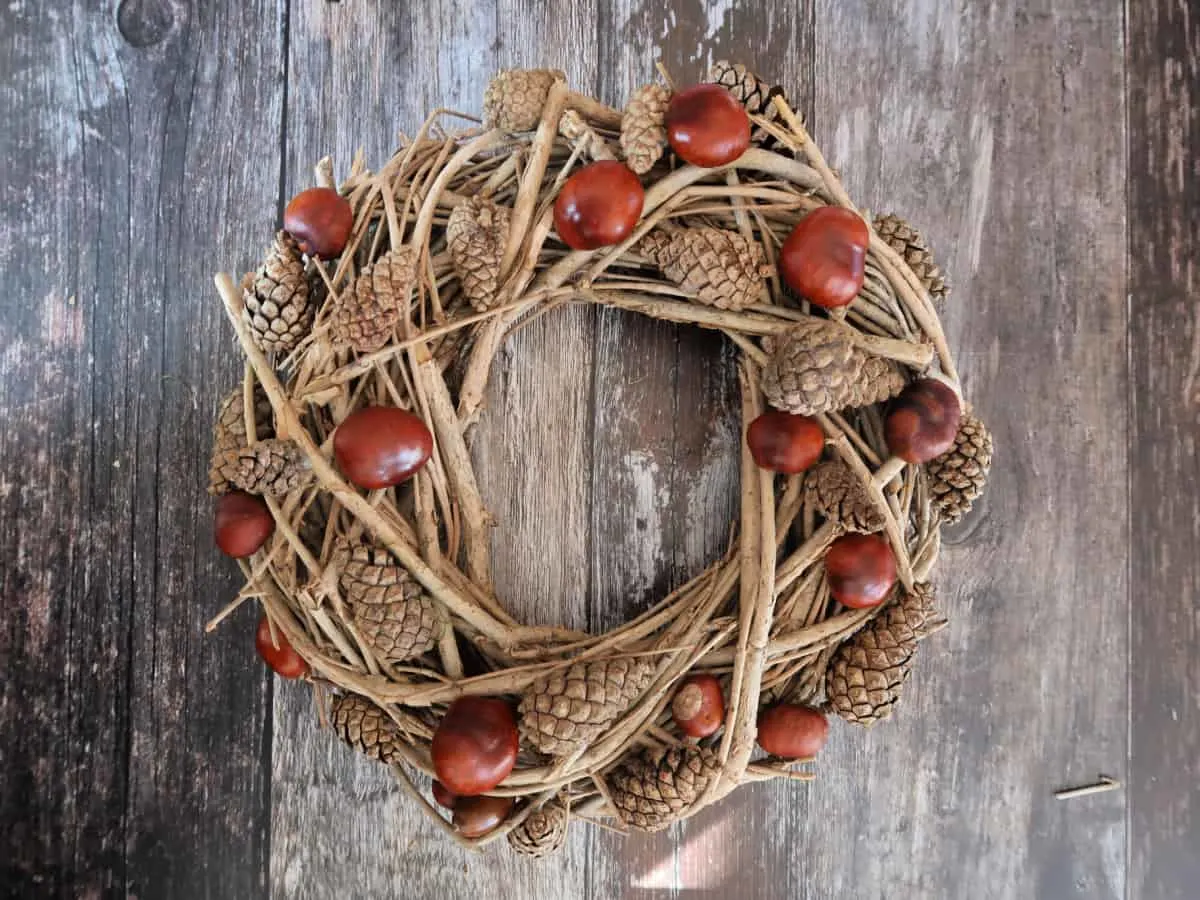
x=861 y=570
x=475 y=746
x=785 y=442
x=598 y=206
x=707 y=126
x=242 y=524
x=443 y=796
x=284 y=659
x=792 y=731
x=476 y=816
x=320 y=219
x=379 y=446
x=699 y=706
x=922 y=421
x=824 y=259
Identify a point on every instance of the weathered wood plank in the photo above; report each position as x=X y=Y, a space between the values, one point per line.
x=997 y=128
x=1164 y=193
x=133 y=745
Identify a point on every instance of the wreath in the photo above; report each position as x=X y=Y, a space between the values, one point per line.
x=345 y=486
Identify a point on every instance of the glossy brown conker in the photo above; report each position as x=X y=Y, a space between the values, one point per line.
x=923 y=421
x=284 y=659
x=476 y=816
x=792 y=731
x=379 y=446
x=320 y=219
x=861 y=570
x=475 y=745
x=598 y=206
x=785 y=442
x=824 y=259
x=242 y=523
x=699 y=705
x=707 y=126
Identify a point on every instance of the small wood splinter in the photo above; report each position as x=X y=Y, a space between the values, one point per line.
x=1104 y=784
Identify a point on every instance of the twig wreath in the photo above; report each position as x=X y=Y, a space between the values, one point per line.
x=345 y=485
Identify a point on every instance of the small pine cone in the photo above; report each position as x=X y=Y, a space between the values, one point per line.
x=816 y=367
x=751 y=91
x=839 y=495
x=476 y=233
x=278 y=300
x=867 y=673
x=515 y=98
x=657 y=787
x=366 y=728
x=272 y=467
x=958 y=476
x=569 y=709
x=643 y=134
x=907 y=242
x=366 y=315
x=578 y=132
x=543 y=832
x=229 y=436
x=391 y=610
x=721 y=268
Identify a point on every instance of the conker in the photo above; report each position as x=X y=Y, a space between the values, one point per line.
x=475 y=746
x=598 y=206
x=699 y=705
x=785 y=442
x=792 y=731
x=824 y=259
x=922 y=421
x=320 y=219
x=443 y=796
x=861 y=570
x=707 y=126
x=476 y=816
x=242 y=524
x=379 y=446
x=284 y=659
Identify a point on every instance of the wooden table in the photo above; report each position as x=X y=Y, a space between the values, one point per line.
x=1047 y=149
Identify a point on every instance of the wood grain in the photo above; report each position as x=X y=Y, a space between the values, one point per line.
x=132 y=748
x=1164 y=336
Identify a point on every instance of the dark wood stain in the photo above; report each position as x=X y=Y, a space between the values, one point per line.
x=150 y=142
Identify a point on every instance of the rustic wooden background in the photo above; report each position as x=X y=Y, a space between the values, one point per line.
x=1048 y=148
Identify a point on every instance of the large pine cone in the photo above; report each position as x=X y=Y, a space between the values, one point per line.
x=657 y=787
x=366 y=315
x=907 y=242
x=271 y=467
x=543 y=832
x=817 y=368
x=515 y=98
x=391 y=610
x=572 y=707
x=229 y=436
x=366 y=728
x=721 y=268
x=867 y=672
x=840 y=496
x=476 y=233
x=278 y=302
x=958 y=476
x=643 y=134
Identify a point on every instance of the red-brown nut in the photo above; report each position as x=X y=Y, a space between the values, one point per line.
x=443 y=796
x=475 y=746
x=861 y=570
x=785 y=442
x=476 y=816
x=320 y=219
x=598 y=206
x=242 y=523
x=792 y=731
x=922 y=421
x=379 y=446
x=707 y=126
x=699 y=705
x=284 y=659
x=824 y=259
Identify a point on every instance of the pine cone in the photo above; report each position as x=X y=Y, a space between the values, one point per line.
x=515 y=98
x=367 y=314
x=571 y=708
x=543 y=832
x=271 y=467
x=959 y=475
x=643 y=134
x=907 y=242
x=721 y=268
x=476 y=233
x=229 y=436
x=278 y=301
x=867 y=672
x=816 y=367
x=366 y=728
x=391 y=611
x=839 y=495
x=578 y=132
x=657 y=787
x=750 y=90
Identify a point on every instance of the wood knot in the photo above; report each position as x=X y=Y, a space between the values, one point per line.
x=144 y=23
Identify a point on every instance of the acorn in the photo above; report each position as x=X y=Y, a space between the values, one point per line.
x=707 y=126
x=320 y=220
x=476 y=816
x=380 y=446
x=922 y=421
x=861 y=569
x=699 y=705
x=792 y=731
x=785 y=442
x=242 y=524
x=475 y=745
